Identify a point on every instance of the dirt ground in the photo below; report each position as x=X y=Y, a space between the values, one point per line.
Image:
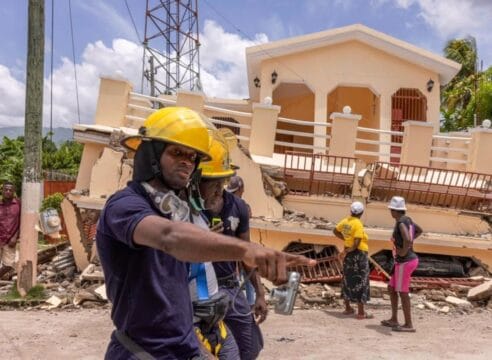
x=307 y=334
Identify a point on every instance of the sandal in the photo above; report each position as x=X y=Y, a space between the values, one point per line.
x=365 y=316
x=389 y=323
x=350 y=312
x=400 y=328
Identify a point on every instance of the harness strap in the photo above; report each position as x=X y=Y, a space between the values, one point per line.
x=132 y=346
x=198 y=272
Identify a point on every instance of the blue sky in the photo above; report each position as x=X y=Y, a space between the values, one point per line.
x=106 y=42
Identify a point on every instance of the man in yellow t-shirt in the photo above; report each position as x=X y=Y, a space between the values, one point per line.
x=355 y=284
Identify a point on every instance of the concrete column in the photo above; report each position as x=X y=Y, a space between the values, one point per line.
x=480 y=150
x=385 y=124
x=112 y=102
x=343 y=134
x=417 y=142
x=194 y=100
x=320 y=115
x=263 y=127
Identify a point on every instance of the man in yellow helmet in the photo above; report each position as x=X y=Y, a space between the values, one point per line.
x=233 y=212
x=145 y=241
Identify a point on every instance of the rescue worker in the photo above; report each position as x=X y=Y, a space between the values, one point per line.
x=236 y=187
x=144 y=240
x=234 y=214
x=209 y=305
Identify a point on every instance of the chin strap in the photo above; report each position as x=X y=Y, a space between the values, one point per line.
x=194 y=197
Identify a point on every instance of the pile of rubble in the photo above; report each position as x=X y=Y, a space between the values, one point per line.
x=457 y=299
x=64 y=287
x=300 y=218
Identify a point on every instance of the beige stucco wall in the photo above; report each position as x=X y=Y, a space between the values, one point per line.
x=362 y=102
x=299 y=107
x=353 y=64
x=254 y=194
x=450 y=143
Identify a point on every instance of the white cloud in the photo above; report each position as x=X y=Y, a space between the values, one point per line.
x=223 y=61
x=457 y=18
x=12 y=93
x=223 y=71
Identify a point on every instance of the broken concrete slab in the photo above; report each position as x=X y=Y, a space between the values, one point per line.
x=430 y=305
x=101 y=292
x=444 y=310
x=106 y=174
x=480 y=292
x=74 y=234
x=53 y=302
x=378 y=288
x=420 y=306
x=91 y=273
x=458 y=302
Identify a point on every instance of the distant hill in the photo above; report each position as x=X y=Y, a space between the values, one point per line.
x=60 y=134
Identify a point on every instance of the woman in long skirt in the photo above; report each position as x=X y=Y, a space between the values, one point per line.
x=355 y=284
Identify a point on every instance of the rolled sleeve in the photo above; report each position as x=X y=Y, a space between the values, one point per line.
x=122 y=215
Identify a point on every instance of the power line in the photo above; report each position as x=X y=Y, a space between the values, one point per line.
x=140 y=41
x=133 y=22
x=73 y=56
x=252 y=40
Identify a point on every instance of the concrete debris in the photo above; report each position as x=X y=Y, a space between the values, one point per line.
x=444 y=310
x=458 y=302
x=300 y=218
x=421 y=306
x=378 y=288
x=480 y=292
x=53 y=302
x=329 y=292
x=101 y=292
x=430 y=305
x=92 y=273
x=83 y=295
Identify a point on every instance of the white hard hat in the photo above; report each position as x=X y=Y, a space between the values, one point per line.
x=397 y=203
x=357 y=208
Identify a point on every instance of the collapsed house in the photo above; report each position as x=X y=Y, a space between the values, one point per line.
x=339 y=115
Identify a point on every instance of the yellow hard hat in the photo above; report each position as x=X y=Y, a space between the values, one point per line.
x=220 y=166
x=175 y=125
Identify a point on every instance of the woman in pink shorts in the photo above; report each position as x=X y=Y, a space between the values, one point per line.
x=406 y=261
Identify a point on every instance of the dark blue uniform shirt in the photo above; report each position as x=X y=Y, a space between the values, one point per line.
x=148 y=288
x=235 y=218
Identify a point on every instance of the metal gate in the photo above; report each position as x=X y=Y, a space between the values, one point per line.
x=406 y=104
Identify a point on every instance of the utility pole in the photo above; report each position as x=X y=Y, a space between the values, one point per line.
x=32 y=177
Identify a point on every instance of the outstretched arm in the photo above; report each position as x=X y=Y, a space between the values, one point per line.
x=188 y=242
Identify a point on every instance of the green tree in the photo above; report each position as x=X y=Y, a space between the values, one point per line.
x=470 y=91
x=64 y=159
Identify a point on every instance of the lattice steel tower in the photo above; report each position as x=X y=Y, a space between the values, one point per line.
x=171 y=57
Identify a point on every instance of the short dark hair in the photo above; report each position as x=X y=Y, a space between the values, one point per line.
x=359 y=215
x=235 y=183
x=8 y=183
x=402 y=212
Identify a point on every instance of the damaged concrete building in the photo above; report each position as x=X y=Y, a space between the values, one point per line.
x=343 y=114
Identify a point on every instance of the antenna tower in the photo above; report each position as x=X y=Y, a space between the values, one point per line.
x=171 y=43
